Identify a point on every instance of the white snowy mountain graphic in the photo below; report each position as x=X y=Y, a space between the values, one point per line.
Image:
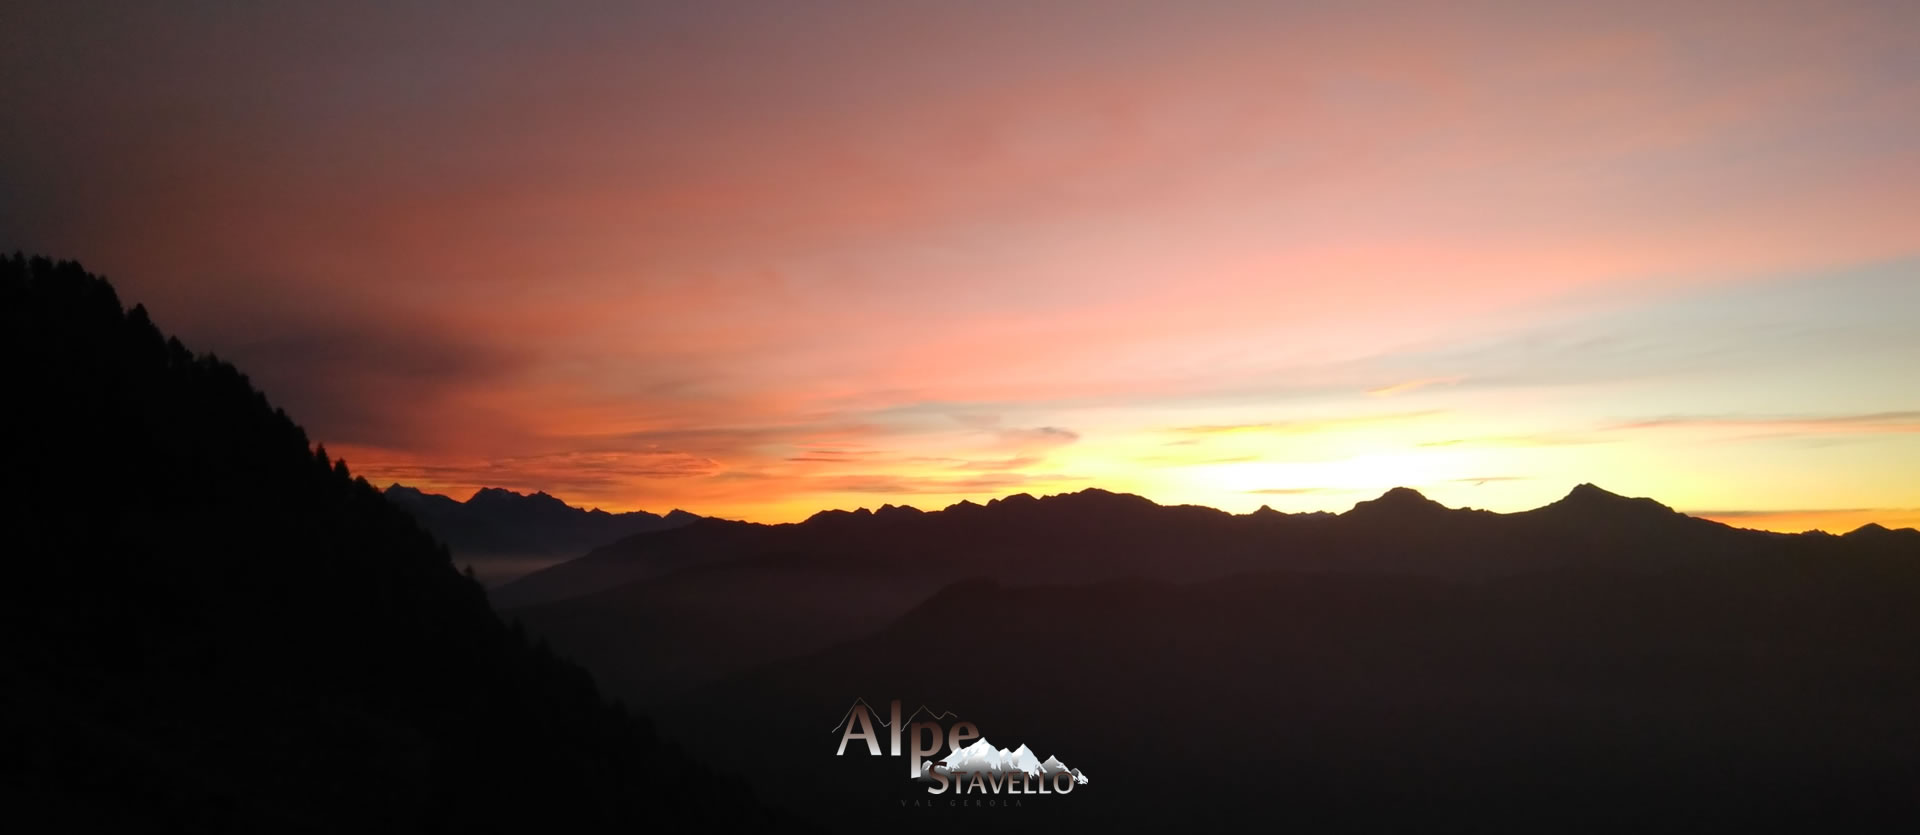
x=982 y=757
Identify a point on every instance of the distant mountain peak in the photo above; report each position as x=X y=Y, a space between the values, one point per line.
x=1876 y=532
x=540 y=501
x=1588 y=491
x=1398 y=500
x=502 y=493
x=836 y=514
x=1589 y=498
x=1096 y=497
x=493 y=494
x=418 y=500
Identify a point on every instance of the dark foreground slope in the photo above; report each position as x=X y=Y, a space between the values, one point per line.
x=1775 y=695
x=210 y=626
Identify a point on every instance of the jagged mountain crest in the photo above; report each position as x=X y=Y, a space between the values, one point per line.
x=1584 y=499
x=508 y=533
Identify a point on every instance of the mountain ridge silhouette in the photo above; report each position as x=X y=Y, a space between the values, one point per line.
x=1585 y=503
x=506 y=534
x=657 y=614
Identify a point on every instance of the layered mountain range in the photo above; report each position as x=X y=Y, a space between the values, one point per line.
x=503 y=534
x=657 y=613
x=1595 y=664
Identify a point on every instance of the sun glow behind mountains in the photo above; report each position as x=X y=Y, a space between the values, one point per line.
x=754 y=265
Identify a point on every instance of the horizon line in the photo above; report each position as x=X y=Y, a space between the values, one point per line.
x=1716 y=516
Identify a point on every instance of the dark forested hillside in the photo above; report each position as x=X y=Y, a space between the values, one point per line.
x=211 y=625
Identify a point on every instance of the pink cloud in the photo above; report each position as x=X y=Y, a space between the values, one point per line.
x=685 y=262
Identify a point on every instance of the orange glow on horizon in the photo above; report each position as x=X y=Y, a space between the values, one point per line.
x=1227 y=254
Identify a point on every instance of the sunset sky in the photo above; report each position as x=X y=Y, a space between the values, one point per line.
x=755 y=259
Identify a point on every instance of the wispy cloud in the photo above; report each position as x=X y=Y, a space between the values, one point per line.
x=1897 y=422
x=1192 y=461
x=921 y=485
x=1411 y=385
x=1018 y=462
x=1539 y=440
x=1764 y=514
x=1476 y=481
x=1831 y=520
x=1037 y=437
x=1299 y=491
x=578 y=474
x=1301 y=426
